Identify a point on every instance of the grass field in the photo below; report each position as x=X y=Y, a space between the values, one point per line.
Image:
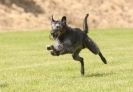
x=26 y=65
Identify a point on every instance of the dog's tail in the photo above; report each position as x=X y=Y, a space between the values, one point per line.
x=85 y=24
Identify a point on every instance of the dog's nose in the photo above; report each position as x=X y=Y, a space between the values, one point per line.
x=57 y=27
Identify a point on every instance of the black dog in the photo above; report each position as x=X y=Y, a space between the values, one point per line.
x=72 y=40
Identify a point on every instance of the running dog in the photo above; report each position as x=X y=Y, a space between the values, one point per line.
x=72 y=41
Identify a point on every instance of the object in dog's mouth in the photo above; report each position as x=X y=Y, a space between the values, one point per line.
x=58 y=46
x=55 y=35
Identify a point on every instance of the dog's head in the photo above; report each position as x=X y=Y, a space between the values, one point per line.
x=58 y=26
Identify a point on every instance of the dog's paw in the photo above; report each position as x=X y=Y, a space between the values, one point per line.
x=48 y=47
x=54 y=53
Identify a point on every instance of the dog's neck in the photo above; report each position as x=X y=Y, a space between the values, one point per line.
x=65 y=30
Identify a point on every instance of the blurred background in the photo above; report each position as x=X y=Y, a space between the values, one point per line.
x=27 y=66
x=34 y=14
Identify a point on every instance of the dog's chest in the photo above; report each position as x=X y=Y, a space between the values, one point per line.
x=58 y=45
x=67 y=44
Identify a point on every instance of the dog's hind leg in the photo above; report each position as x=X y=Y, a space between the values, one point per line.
x=102 y=58
x=91 y=45
x=76 y=57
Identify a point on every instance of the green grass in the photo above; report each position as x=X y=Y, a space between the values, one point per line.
x=26 y=65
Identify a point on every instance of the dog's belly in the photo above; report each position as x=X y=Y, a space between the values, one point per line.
x=72 y=49
x=68 y=50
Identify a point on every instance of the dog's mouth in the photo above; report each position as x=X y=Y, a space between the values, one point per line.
x=55 y=34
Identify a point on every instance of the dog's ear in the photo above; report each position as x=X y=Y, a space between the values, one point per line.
x=63 y=19
x=52 y=19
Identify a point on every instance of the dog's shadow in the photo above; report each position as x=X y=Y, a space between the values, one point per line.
x=99 y=74
x=93 y=75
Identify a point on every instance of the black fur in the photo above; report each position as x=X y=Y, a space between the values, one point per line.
x=73 y=40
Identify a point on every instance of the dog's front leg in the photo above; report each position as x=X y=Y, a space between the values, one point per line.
x=53 y=51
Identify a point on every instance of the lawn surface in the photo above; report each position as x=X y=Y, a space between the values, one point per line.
x=26 y=65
